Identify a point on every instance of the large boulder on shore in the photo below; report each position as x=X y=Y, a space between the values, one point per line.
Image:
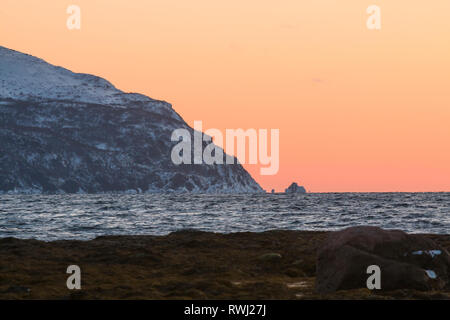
x=295 y=188
x=406 y=261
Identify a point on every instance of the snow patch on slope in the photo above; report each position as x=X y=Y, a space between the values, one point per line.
x=24 y=77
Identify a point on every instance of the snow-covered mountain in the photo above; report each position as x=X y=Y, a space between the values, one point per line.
x=62 y=131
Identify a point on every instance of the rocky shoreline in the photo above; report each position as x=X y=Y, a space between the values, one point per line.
x=181 y=265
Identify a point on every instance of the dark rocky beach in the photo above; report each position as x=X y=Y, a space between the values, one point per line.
x=181 y=265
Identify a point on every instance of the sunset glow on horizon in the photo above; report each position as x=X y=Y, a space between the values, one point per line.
x=358 y=110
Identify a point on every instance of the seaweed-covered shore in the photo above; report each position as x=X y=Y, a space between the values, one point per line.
x=181 y=265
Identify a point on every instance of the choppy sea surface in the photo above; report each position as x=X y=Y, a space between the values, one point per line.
x=51 y=217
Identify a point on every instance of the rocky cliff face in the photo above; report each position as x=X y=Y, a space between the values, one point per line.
x=64 y=132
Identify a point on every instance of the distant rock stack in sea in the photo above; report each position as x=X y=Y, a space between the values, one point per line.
x=295 y=188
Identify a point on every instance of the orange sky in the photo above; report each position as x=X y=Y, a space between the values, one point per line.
x=358 y=109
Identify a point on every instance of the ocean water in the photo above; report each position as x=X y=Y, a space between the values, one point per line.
x=51 y=217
